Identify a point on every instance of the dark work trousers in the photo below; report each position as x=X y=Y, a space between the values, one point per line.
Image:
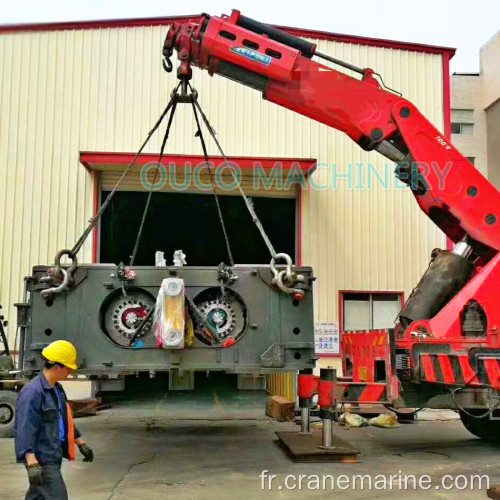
x=53 y=487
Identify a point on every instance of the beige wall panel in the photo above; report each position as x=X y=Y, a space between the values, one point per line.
x=63 y=92
x=493 y=122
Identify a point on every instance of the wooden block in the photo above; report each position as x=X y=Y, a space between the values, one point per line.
x=494 y=492
x=280 y=408
x=83 y=407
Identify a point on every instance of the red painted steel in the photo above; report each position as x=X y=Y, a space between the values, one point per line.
x=469 y=375
x=428 y=367
x=327 y=394
x=493 y=371
x=361 y=109
x=246 y=49
x=446 y=369
x=99 y=160
x=307 y=385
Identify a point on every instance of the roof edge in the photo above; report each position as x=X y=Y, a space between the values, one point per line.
x=160 y=21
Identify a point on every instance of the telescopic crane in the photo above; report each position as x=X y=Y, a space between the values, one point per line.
x=445 y=348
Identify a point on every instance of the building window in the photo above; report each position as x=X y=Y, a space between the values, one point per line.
x=462 y=128
x=462 y=115
x=472 y=159
x=369 y=311
x=462 y=121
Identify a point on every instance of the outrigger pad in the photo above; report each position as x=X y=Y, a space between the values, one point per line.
x=308 y=448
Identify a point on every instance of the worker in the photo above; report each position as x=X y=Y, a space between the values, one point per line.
x=44 y=430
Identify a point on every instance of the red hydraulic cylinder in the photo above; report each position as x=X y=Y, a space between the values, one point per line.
x=307 y=387
x=327 y=403
x=327 y=399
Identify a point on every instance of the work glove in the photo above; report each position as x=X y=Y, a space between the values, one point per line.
x=35 y=474
x=86 y=451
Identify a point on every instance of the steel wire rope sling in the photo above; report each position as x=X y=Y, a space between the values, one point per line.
x=66 y=275
x=185 y=98
x=284 y=279
x=278 y=275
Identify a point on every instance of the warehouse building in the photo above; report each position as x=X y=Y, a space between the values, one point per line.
x=77 y=101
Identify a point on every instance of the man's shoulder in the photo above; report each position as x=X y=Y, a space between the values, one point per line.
x=31 y=387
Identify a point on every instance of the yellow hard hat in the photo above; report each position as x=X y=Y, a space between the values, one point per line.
x=61 y=351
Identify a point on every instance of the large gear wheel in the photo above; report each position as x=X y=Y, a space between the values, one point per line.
x=225 y=312
x=219 y=316
x=122 y=315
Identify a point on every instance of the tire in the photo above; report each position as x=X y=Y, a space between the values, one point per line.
x=8 y=401
x=484 y=428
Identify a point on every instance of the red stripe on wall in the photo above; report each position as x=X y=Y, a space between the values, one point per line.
x=428 y=367
x=469 y=374
x=493 y=371
x=446 y=368
x=372 y=393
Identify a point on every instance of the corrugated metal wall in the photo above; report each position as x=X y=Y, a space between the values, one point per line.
x=63 y=92
x=282 y=384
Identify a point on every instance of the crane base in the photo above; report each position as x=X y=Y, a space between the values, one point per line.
x=309 y=448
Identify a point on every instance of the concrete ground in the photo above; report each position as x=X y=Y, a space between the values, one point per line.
x=215 y=446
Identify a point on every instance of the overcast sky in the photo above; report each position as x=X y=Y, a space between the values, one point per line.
x=462 y=24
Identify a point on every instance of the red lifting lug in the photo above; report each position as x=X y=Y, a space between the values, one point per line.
x=369 y=78
x=228 y=343
x=298 y=296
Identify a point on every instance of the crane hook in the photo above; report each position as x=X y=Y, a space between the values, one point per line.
x=167 y=64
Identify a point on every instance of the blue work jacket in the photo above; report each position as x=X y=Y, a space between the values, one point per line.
x=37 y=427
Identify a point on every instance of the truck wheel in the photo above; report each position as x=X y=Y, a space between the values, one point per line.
x=7 y=413
x=484 y=428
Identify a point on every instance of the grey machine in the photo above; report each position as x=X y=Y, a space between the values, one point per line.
x=260 y=325
x=259 y=318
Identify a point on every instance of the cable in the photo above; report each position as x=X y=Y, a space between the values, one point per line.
x=247 y=200
x=94 y=220
x=391 y=408
x=205 y=153
x=173 y=101
x=484 y=415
